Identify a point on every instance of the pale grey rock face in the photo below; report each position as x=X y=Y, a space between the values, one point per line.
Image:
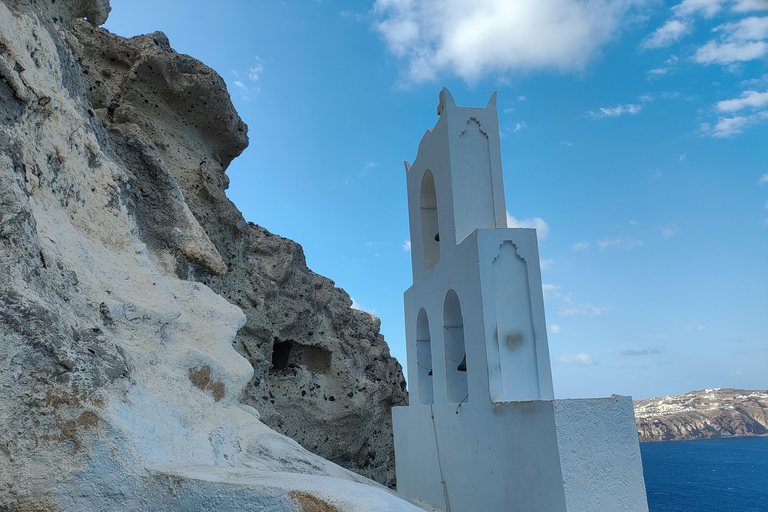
x=125 y=278
x=323 y=374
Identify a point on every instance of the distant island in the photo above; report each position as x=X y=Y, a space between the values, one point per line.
x=706 y=414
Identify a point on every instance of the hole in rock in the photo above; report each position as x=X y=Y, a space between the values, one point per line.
x=290 y=354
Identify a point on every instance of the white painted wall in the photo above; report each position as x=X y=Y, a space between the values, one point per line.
x=493 y=438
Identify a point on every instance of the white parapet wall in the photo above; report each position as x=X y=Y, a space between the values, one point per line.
x=483 y=431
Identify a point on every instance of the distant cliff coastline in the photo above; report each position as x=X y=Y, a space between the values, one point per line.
x=703 y=414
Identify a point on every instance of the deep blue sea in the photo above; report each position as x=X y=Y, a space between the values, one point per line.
x=709 y=474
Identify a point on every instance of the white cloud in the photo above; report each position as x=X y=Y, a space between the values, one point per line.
x=695 y=327
x=549 y=289
x=580 y=309
x=682 y=157
x=730 y=126
x=567 y=306
x=642 y=352
x=407 y=246
x=669 y=230
x=656 y=73
x=472 y=38
x=519 y=126
x=554 y=328
x=752 y=99
x=740 y=41
x=614 y=111
x=646 y=98
x=357 y=305
x=666 y=34
x=580 y=246
x=763 y=179
x=255 y=71
x=508 y=110
x=545 y=264
x=521 y=98
x=706 y=7
x=750 y=5
x=620 y=242
x=576 y=359
x=748 y=29
x=755 y=82
x=566 y=143
x=542 y=230
x=728 y=53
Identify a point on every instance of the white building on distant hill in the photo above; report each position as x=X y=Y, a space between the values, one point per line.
x=483 y=431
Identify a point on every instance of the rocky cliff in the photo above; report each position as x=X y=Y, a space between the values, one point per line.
x=322 y=372
x=703 y=415
x=127 y=278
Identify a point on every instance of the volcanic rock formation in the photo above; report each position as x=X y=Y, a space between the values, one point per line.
x=323 y=374
x=127 y=276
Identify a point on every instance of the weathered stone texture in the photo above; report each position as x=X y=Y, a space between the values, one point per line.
x=119 y=385
x=163 y=108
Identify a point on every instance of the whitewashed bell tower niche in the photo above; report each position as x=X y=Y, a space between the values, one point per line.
x=483 y=431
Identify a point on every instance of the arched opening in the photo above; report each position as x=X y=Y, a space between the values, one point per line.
x=430 y=230
x=455 y=353
x=424 y=359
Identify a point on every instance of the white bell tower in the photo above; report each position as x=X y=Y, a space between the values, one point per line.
x=483 y=430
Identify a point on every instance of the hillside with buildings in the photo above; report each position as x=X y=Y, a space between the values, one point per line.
x=706 y=414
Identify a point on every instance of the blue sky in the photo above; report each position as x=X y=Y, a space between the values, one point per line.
x=634 y=137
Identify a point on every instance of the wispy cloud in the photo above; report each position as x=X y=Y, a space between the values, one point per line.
x=740 y=41
x=749 y=5
x=549 y=289
x=475 y=38
x=542 y=230
x=641 y=352
x=519 y=126
x=620 y=242
x=581 y=359
x=357 y=305
x=656 y=73
x=730 y=126
x=554 y=328
x=545 y=264
x=580 y=309
x=407 y=246
x=728 y=53
x=751 y=99
x=567 y=305
x=247 y=90
x=669 y=230
x=614 y=111
x=763 y=179
x=707 y=8
x=566 y=143
x=580 y=246
x=672 y=31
